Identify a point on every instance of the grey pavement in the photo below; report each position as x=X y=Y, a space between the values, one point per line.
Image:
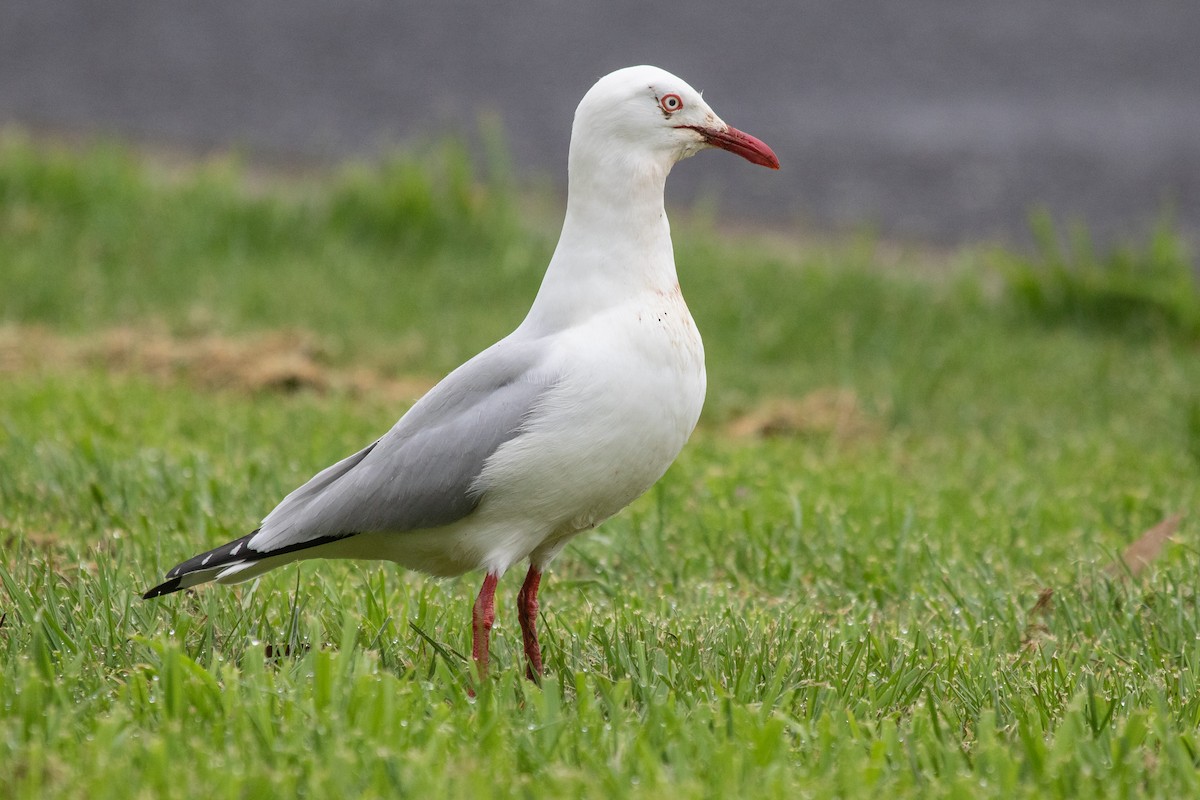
x=941 y=120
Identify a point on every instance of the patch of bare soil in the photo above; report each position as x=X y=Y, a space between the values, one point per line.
x=822 y=412
x=284 y=361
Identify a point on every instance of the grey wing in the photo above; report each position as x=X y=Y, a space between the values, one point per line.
x=421 y=473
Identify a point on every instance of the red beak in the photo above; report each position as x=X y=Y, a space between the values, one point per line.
x=743 y=144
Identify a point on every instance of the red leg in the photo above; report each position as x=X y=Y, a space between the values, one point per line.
x=527 y=609
x=482 y=617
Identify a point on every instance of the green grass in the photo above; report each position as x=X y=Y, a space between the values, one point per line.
x=812 y=615
x=1137 y=290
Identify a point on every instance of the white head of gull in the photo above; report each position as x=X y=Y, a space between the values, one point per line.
x=554 y=428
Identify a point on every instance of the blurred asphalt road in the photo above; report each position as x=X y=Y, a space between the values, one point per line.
x=943 y=120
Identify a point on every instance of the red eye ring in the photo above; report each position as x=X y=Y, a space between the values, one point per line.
x=671 y=103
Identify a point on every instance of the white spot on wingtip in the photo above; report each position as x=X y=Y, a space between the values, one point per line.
x=234 y=551
x=206 y=560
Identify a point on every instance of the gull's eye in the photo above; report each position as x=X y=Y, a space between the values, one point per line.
x=671 y=103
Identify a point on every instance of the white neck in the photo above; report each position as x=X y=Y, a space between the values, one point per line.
x=615 y=242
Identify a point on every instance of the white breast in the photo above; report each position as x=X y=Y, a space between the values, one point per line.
x=631 y=389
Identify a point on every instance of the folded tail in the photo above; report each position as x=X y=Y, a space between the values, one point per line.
x=232 y=562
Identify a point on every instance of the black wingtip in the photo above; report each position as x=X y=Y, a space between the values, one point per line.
x=165 y=587
x=236 y=552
